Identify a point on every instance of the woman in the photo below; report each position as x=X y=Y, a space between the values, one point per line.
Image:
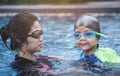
x=25 y=34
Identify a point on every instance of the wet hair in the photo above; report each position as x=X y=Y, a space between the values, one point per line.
x=90 y=22
x=17 y=29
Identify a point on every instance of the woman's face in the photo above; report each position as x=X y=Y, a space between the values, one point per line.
x=34 y=43
x=88 y=45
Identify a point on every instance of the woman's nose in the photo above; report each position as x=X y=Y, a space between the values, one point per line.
x=41 y=38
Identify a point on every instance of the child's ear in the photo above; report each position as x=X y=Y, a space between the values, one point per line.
x=75 y=27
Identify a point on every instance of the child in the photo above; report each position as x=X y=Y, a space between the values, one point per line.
x=87 y=34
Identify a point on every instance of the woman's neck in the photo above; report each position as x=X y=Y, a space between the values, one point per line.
x=26 y=55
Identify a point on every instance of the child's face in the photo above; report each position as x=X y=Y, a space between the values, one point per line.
x=87 y=44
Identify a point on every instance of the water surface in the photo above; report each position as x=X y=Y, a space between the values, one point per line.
x=59 y=41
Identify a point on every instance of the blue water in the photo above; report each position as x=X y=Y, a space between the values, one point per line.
x=59 y=41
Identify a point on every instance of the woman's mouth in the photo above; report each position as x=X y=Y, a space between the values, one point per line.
x=40 y=45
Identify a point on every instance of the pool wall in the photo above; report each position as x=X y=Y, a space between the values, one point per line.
x=45 y=9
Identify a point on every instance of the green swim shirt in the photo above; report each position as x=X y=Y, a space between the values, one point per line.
x=107 y=55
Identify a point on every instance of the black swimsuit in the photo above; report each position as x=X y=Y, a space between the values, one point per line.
x=27 y=67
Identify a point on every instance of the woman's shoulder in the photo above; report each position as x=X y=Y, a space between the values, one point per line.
x=41 y=57
x=51 y=57
x=27 y=67
x=21 y=63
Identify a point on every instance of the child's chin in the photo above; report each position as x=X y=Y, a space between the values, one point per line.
x=85 y=50
x=84 y=47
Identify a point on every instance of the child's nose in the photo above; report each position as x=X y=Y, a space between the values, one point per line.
x=82 y=37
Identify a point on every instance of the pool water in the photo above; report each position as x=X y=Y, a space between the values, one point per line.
x=59 y=41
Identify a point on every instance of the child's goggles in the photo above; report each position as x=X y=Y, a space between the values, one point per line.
x=88 y=34
x=36 y=34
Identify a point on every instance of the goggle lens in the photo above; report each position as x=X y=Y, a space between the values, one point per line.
x=36 y=34
x=87 y=34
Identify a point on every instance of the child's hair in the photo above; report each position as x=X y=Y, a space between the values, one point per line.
x=88 y=21
x=18 y=28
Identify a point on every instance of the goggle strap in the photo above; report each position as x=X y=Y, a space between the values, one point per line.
x=103 y=35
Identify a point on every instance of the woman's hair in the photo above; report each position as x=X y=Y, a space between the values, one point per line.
x=17 y=29
x=89 y=22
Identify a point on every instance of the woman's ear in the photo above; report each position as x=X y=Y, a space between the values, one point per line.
x=17 y=40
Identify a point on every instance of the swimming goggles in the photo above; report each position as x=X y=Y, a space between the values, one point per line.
x=36 y=34
x=88 y=34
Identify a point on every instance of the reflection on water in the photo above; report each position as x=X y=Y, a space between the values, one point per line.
x=59 y=41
